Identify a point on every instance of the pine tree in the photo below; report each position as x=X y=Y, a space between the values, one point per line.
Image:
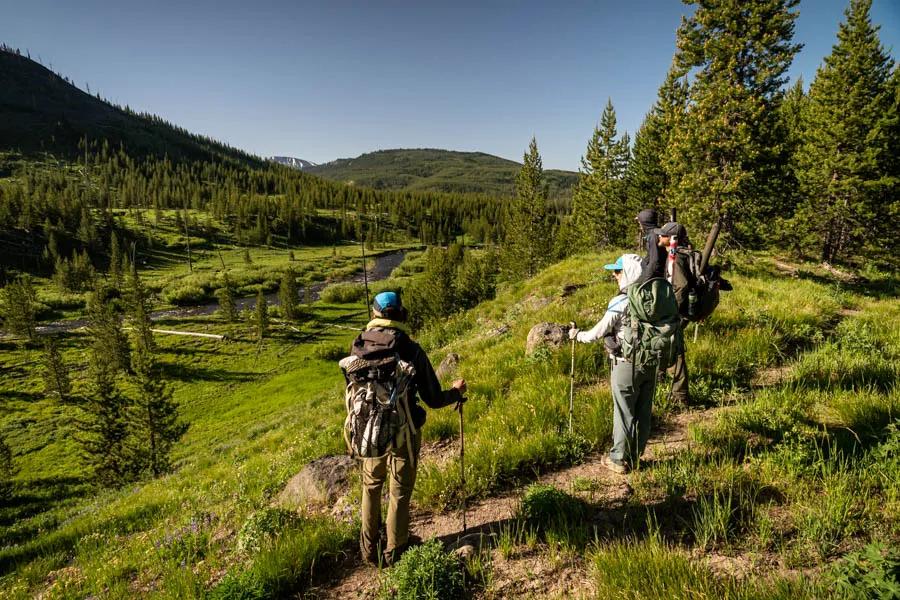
x=262 y=316
x=115 y=262
x=138 y=306
x=56 y=373
x=648 y=176
x=599 y=207
x=288 y=296
x=19 y=308
x=154 y=414
x=225 y=294
x=526 y=248
x=726 y=150
x=108 y=340
x=846 y=148
x=103 y=432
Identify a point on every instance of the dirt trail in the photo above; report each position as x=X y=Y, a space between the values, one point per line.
x=600 y=486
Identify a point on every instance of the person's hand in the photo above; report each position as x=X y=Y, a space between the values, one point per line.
x=573 y=332
x=460 y=384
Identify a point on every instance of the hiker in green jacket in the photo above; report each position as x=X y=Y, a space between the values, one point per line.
x=386 y=337
x=632 y=386
x=679 y=275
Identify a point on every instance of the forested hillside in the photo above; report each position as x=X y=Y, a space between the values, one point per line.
x=438 y=171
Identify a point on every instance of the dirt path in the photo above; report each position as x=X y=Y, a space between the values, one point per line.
x=545 y=579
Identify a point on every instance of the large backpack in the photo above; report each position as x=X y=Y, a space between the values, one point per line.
x=704 y=287
x=377 y=401
x=652 y=328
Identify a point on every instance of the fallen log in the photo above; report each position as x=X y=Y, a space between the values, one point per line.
x=213 y=336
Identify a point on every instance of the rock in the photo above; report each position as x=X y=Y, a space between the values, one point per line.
x=496 y=331
x=476 y=541
x=320 y=483
x=448 y=365
x=570 y=289
x=534 y=302
x=546 y=334
x=465 y=552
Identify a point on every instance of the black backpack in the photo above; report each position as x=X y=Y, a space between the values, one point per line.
x=377 y=396
x=704 y=288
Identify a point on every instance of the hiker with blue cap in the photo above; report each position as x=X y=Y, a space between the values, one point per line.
x=387 y=374
x=633 y=377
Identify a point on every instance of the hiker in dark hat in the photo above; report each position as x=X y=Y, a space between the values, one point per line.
x=674 y=236
x=386 y=338
x=654 y=263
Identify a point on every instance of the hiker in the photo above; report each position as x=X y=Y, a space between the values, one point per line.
x=673 y=235
x=385 y=348
x=633 y=378
x=653 y=264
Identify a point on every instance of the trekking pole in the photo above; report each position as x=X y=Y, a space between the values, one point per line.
x=462 y=461
x=696 y=329
x=572 y=381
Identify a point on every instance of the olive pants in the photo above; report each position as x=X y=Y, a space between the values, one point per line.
x=632 y=391
x=402 y=472
x=679 y=372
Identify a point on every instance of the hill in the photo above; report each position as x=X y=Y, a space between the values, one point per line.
x=43 y=112
x=438 y=171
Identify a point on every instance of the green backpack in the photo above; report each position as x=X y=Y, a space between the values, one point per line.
x=652 y=330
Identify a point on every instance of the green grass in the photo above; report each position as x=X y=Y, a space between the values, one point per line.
x=805 y=468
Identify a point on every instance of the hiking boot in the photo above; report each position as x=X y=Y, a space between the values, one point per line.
x=614 y=465
x=391 y=557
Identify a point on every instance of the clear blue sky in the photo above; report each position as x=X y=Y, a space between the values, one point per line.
x=329 y=79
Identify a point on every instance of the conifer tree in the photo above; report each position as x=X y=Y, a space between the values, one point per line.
x=103 y=432
x=115 y=262
x=649 y=170
x=526 y=248
x=727 y=146
x=846 y=150
x=154 y=414
x=56 y=373
x=108 y=341
x=599 y=206
x=288 y=296
x=19 y=309
x=262 y=316
x=225 y=294
x=138 y=306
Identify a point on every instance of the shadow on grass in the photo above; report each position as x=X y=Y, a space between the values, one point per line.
x=183 y=372
x=20 y=396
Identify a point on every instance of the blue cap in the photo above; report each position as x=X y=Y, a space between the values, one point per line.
x=616 y=266
x=386 y=300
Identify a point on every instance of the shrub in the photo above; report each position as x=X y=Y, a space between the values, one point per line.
x=873 y=572
x=548 y=507
x=183 y=295
x=343 y=293
x=264 y=525
x=425 y=572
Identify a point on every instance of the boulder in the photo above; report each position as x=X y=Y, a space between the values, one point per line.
x=320 y=483
x=448 y=365
x=553 y=335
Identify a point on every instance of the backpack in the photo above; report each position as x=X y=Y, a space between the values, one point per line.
x=703 y=292
x=652 y=328
x=377 y=401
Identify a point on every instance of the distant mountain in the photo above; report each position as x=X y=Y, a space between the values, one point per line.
x=437 y=170
x=294 y=163
x=43 y=112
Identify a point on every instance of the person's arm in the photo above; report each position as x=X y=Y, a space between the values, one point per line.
x=427 y=384
x=607 y=323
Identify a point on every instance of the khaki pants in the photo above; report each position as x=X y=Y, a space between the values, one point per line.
x=402 y=473
x=632 y=392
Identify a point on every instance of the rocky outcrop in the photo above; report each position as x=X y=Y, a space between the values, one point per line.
x=553 y=335
x=448 y=365
x=319 y=484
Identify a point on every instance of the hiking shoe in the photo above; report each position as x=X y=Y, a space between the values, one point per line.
x=614 y=465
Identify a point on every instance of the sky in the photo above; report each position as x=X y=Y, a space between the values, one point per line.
x=333 y=79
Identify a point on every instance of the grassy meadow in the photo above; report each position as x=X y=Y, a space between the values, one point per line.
x=796 y=467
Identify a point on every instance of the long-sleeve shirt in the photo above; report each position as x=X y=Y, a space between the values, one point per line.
x=609 y=328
